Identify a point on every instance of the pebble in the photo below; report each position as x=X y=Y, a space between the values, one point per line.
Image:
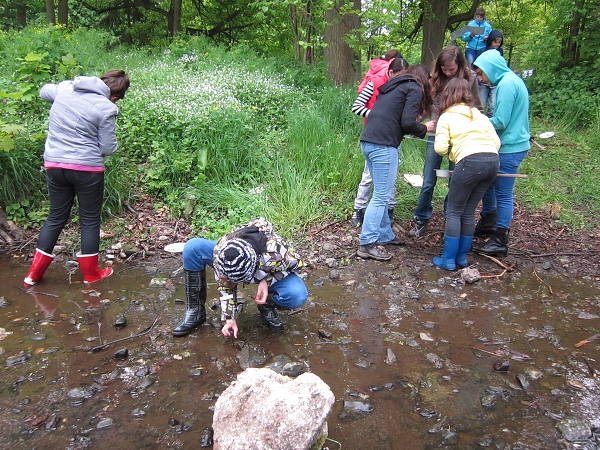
x=206 y=437
x=122 y=354
x=104 y=423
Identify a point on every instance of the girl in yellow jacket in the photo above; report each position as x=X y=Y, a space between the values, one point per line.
x=470 y=141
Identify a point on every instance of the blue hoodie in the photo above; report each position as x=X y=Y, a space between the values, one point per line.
x=477 y=42
x=511 y=110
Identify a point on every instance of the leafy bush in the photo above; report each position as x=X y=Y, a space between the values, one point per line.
x=570 y=95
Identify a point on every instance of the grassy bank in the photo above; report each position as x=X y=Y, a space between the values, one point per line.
x=220 y=136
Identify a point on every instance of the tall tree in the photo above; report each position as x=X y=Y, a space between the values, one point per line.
x=436 y=20
x=342 y=22
x=50 y=14
x=63 y=12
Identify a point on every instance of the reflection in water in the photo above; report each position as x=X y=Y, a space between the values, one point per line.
x=441 y=390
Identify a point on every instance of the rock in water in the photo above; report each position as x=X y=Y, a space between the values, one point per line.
x=292 y=413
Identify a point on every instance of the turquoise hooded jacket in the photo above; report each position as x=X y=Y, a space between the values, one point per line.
x=511 y=110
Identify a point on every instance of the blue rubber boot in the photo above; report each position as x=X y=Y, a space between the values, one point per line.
x=464 y=245
x=448 y=259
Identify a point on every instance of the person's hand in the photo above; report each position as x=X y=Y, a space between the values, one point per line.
x=230 y=328
x=262 y=292
x=430 y=126
x=472 y=34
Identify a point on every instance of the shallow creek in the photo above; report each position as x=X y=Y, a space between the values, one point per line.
x=414 y=346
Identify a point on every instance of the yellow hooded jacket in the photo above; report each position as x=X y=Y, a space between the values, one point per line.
x=462 y=131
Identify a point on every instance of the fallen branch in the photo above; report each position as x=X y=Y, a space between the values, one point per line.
x=485 y=351
x=37 y=292
x=129 y=208
x=593 y=338
x=544 y=255
x=326 y=226
x=494 y=276
x=497 y=261
x=549 y=287
x=141 y=333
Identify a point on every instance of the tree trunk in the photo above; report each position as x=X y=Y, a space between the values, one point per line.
x=342 y=62
x=308 y=57
x=50 y=15
x=570 y=50
x=295 y=31
x=63 y=12
x=21 y=13
x=436 y=21
x=435 y=18
x=176 y=16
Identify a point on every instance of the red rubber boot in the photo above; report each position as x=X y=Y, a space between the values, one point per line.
x=89 y=266
x=39 y=264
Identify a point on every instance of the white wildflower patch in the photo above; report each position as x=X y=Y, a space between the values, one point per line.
x=186 y=91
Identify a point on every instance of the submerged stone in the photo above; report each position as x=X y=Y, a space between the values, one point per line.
x=355 y=409
x=574 y=429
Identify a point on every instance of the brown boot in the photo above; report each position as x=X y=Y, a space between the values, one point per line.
x=374 y=252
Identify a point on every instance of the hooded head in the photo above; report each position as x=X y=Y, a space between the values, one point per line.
x=237 y=261
x=493 y=65
x=495 y=34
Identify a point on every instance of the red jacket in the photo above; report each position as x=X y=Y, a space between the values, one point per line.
x=377 y=74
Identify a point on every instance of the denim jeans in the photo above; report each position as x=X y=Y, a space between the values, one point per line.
x=470 y=55
x=382 y=161
x=471 y=178
x=499 y=195
x=487 y=94
x=63 y=186
x=433 y=161
x=364 y=191
x=289 y=292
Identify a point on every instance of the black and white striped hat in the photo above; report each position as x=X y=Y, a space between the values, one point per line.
x=237 y=261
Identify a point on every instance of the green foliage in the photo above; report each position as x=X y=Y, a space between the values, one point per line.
x=569 y=95
x=7 y=135
x=22 y=214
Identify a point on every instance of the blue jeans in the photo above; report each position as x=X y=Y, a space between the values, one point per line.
x=63 y=186
x=470 y=56
x=364 y=191
x=433 y=161
x=289 y=292
x=487 y=94
x=382 y=161
x=471 y=178
x=499 y=195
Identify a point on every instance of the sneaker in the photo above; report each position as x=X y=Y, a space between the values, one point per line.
x=357 y=217
x=373 y=252
x=418 y=229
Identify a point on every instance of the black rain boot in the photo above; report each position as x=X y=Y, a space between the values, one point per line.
x=497 y=245
x=486 y=225
x=270 y=314
x=195 y=300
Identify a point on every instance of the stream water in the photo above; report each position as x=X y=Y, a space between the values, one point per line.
x=412 y=341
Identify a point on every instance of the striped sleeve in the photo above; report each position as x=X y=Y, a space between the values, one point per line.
x=359 y=105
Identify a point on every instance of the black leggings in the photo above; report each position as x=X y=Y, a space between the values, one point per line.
x=471 y=177
x=63 y=186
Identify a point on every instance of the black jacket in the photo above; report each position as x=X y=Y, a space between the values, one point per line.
x=394 y=114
